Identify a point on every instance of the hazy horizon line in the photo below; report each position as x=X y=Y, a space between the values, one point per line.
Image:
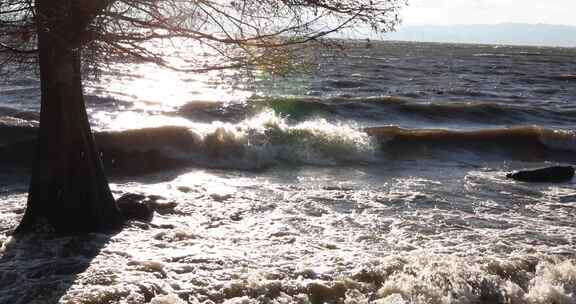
x=487 y=24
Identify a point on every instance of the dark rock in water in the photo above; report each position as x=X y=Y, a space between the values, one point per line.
x=141 y=207
x=184 y=189
x=554 y=174
x=162 y=207
x=131 y=197
x=133 y=207
x=155 y=197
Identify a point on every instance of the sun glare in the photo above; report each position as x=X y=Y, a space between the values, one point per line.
x=150 y=95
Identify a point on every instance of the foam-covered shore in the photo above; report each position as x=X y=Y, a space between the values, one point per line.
x=233 y=239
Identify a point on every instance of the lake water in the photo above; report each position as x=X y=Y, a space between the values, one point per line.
x=378 y=177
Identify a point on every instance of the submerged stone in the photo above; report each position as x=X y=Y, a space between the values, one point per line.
x=140 y=207
x=553 y=174
x=133 y=207
x=162 y=207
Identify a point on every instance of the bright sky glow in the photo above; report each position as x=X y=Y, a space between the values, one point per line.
x=489 y=11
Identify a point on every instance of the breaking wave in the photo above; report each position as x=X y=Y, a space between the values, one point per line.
x=268 y=139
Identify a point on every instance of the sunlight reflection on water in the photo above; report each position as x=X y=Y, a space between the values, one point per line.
x=151 y=91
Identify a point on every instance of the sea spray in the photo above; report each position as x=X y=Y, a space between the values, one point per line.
x=268 y=138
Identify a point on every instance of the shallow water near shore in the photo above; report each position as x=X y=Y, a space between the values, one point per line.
x=378 y=178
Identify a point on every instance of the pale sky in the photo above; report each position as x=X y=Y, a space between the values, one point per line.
x=489 y=11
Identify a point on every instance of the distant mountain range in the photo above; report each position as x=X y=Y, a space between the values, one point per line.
x=505 y=33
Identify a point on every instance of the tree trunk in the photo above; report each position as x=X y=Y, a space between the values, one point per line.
x=68 y=189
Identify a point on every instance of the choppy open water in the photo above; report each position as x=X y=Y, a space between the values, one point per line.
x=375 y=178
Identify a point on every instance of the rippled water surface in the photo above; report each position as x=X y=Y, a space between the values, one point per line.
x=374 y=178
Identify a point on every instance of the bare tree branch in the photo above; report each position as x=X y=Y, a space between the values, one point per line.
x=238 y=30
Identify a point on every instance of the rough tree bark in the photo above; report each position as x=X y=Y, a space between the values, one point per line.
x=68 y=189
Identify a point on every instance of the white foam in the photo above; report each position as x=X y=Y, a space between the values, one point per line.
x=267 y=138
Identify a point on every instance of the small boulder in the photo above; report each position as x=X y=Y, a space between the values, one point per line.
x=131 y=197
x=162 y=207
x=133 y=207
x=155 y=197
x=555 y=174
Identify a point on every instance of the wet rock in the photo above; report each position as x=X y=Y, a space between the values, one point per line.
x=162 y=207
x=165 y=226
x=553 y=174
x=133 y=207
x=220 y=197
x=132 y=197
x=237 y=216
x=160 y=204
x=141 y=207
x=330 y=246
x=155 y=197
x=184 y=189
x=320 y=293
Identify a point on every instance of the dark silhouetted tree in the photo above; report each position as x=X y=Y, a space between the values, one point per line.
x=68 y=189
